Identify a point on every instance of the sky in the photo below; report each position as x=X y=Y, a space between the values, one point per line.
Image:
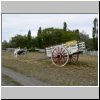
x=13 y=24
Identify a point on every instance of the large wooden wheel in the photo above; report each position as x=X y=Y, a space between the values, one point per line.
x=60 y=56
x=73 y=58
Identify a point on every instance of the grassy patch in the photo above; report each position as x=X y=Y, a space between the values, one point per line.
x=37 y=65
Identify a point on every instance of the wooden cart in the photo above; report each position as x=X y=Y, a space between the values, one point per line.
x=66 y=52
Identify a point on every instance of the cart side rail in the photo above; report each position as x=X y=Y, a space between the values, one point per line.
x=79 y=47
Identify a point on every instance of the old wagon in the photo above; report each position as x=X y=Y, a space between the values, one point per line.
x=66 y=52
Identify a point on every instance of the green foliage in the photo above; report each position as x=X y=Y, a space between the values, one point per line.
x=90 y=44
x=95 y=34
x=39 y=31
x=29 y=40
x=65 y=26
x=88 y=41
x=21 y=41
x=18 y=41
x=95 y=43
x=5 y=45
x=84 y=37
x=49 y=37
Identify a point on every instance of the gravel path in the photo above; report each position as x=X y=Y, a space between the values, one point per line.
x=22 y=79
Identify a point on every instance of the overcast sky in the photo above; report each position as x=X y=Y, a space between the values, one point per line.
x=13 y=24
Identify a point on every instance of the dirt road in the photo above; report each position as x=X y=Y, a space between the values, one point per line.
x=22 y=79
x=7 y=81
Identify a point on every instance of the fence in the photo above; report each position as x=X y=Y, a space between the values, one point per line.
x=10 y=49
x=94 y=53
x=40 y=50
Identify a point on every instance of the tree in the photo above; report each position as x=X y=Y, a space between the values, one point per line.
x=53 y=36
x=84 y=38
x=90 y=44
x=29 y=39
x=65 y=26
x=39 y=31
x=18 y=41
x=77 y=31
x=45 y=38
x=5 y=45
x=95 y=33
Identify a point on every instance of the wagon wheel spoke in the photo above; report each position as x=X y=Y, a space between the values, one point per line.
x=60 y=56
x=54 y=52
x=63 y=59
x=74 y=58
x=63 y=52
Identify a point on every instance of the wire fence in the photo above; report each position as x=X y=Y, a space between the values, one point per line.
x=94 y=53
